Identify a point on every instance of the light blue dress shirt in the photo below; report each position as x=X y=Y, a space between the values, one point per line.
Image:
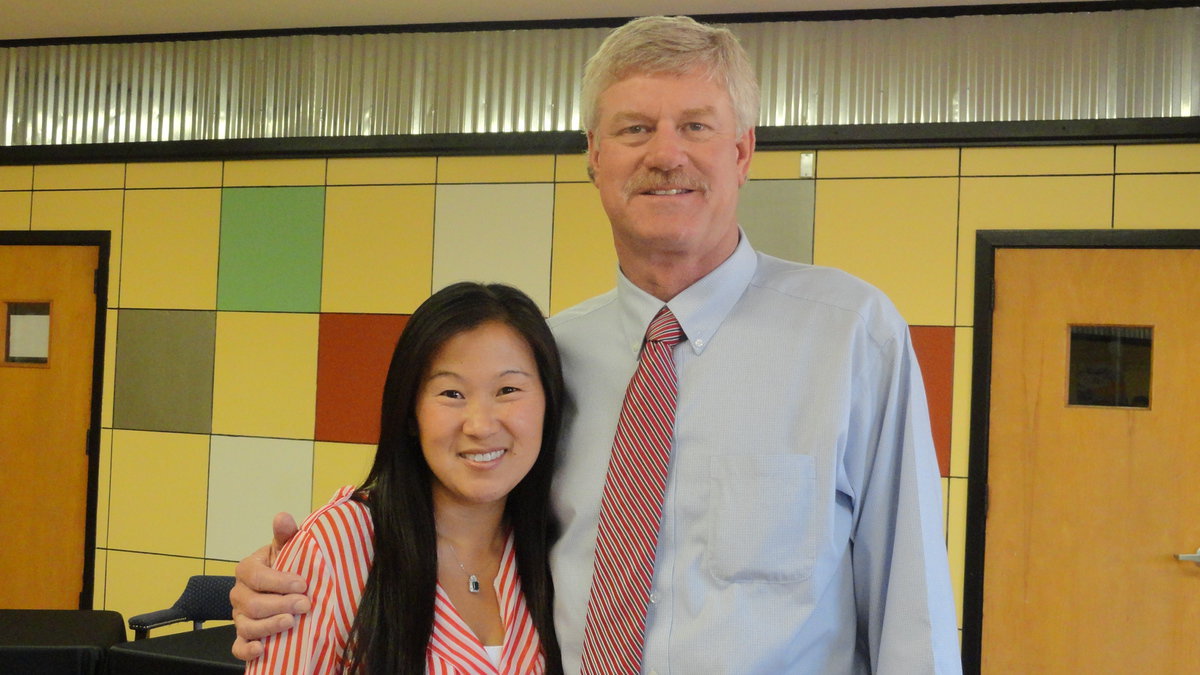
x=802 y=523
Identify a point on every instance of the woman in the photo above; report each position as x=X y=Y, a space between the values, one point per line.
x=438 y=562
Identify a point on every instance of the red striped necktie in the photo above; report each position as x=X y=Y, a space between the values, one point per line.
x=631 y=508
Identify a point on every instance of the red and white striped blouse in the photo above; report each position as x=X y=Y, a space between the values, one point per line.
x=333 y=552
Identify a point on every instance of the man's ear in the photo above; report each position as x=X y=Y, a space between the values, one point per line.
x=593 y=155
x=745 y=150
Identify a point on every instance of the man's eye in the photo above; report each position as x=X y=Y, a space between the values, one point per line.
x=696 y=126
x=636 y=129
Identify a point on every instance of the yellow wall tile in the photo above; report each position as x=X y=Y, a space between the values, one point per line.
x=222 y=568
x=1168 y=158
x=16 y=177
x=159 y=492
x=84 y=210
x=898 y=234
x=103 y=486
x=1020 y=203
x=956 y=540
x=498 y=169
x=169 y=255
x=173 y=174
x=265 y=379
x=336 y=465
x=262 y=172
x=1157 y=201
x=99 y=575
x=110 y=367
x=1037 y=160
x=960 y=417
x=583 y=262
x=571 y=168
x=378 y=255
x=381 y=170
x=78 y=176
x=776 y=164
x=141 y=582
x=887 y=163
x=14 y=210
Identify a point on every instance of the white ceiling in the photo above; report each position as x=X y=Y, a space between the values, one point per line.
x=32 y=19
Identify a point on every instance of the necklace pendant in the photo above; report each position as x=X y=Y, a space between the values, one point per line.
x=473 y=584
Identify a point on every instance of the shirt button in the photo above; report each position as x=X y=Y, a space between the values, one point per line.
x=699 y=343
x=654 y=598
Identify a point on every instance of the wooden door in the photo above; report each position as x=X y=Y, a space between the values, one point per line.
x=1087 y=504
x=45 y=417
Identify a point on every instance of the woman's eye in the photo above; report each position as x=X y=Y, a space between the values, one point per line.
x=451 y=393
x=508 y=390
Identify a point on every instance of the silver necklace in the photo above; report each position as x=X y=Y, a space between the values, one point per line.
x=472 y=580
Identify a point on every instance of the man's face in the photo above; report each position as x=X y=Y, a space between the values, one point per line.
x=668 y=161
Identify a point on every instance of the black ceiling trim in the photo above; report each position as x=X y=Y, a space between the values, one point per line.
x=949 y=134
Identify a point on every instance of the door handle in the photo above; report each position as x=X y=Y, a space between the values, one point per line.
x=1189 y=557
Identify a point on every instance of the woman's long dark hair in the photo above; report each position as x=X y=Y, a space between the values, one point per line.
x=395 y=615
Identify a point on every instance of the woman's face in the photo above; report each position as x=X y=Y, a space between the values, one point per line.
x=479 y=413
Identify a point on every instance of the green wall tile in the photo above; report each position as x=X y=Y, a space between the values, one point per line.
x=164 y=370
x=271 y=249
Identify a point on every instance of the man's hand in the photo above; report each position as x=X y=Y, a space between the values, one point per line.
x=265 y=600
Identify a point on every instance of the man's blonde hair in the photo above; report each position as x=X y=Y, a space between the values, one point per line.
x=672 y=45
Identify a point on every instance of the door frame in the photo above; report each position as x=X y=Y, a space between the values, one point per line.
x=987 y=242
x=101 y=240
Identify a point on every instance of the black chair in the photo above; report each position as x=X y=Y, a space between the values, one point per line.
x=205 y=598
x=200 y=651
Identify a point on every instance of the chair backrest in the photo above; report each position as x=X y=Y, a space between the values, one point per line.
x=206 y=598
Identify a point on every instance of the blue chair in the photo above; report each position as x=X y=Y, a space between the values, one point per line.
x=205 y=598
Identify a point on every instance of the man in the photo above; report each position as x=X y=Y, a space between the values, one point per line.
x=800 y=527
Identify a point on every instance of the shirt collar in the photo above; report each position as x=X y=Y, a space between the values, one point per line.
x=700 y=308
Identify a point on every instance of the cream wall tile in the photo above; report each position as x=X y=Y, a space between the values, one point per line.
x=945 y=503
x=495 y=233
x=110 y=365
x=159 y=488
x=274 y=172
x=15 y=210
x=1166 y=158
x=571 y=168
x=583 y=262
x=497 y=169
x=103 y=486
x=960 y=424
x=78 y=176
x=173 y=174
x=887 y=163
x=241 y=504
x=16 y=177
x=336 y=465
x=776 y=164
x=1038 y=160
x=378 y=250
x=84 y=210
x=265 y=375
x=898 y=234
x=1024 y=203
x=956 y=540
x=169 y=255
x=142 y=582
x=381 y=170
x=1157 y=201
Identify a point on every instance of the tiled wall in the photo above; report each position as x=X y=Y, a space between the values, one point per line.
x=253 y=304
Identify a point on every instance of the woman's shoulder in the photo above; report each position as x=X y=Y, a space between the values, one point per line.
x=347 y=507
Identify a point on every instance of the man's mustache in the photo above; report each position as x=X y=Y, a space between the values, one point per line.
x=653 y=179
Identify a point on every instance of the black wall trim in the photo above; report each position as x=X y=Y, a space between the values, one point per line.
x=947 y=134
x=101 y=240
x=612 y=22
x=986 y=244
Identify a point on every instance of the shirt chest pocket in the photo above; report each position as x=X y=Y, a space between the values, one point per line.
x=762 y=518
